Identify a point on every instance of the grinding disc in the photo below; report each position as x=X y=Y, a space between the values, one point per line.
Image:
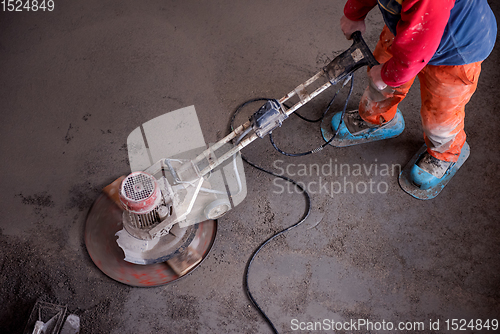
x=105 y=219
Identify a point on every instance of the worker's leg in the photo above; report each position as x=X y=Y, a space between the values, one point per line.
x=445 y=90
x=383 y=110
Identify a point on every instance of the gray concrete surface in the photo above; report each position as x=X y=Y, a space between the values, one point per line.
x=76 y=81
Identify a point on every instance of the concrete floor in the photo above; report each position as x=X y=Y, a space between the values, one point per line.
x=76 y=81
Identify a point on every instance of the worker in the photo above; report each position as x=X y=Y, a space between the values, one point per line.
x=443 y=43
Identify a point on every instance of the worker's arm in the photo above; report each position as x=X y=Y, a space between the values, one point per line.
x=356 y=10
x=419 y=33
x=354 y=16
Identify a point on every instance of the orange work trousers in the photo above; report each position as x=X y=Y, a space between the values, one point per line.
x=444 y=90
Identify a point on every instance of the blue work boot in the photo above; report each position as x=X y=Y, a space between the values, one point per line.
x=353 y=130
x=428 y=171
x=424 y=177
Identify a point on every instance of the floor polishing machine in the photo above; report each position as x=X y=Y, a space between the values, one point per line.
x=158 y=223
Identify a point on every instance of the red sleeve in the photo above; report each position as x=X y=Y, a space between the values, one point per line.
x=419 y=33
x=356 y=10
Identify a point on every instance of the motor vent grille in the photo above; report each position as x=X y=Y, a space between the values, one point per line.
x=139 y=186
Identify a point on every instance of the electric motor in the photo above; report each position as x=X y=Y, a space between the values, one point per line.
x=145 y=206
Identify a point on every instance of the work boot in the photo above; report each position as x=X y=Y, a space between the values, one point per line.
x=424 y=177
x=354 y=130
x=355 y=123
x=428 y=171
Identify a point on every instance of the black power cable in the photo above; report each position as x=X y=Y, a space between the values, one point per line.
x=258 y=249
x=304 y=192
x=254 y=254
x=296 y=113
x=317 y=149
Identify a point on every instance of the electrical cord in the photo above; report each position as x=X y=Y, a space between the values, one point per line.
x=296 y=113
x=254 y=254
x=320 y=119
x=303 y=191
x=258 y=249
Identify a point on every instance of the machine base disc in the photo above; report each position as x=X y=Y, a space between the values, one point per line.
x=105 y=219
